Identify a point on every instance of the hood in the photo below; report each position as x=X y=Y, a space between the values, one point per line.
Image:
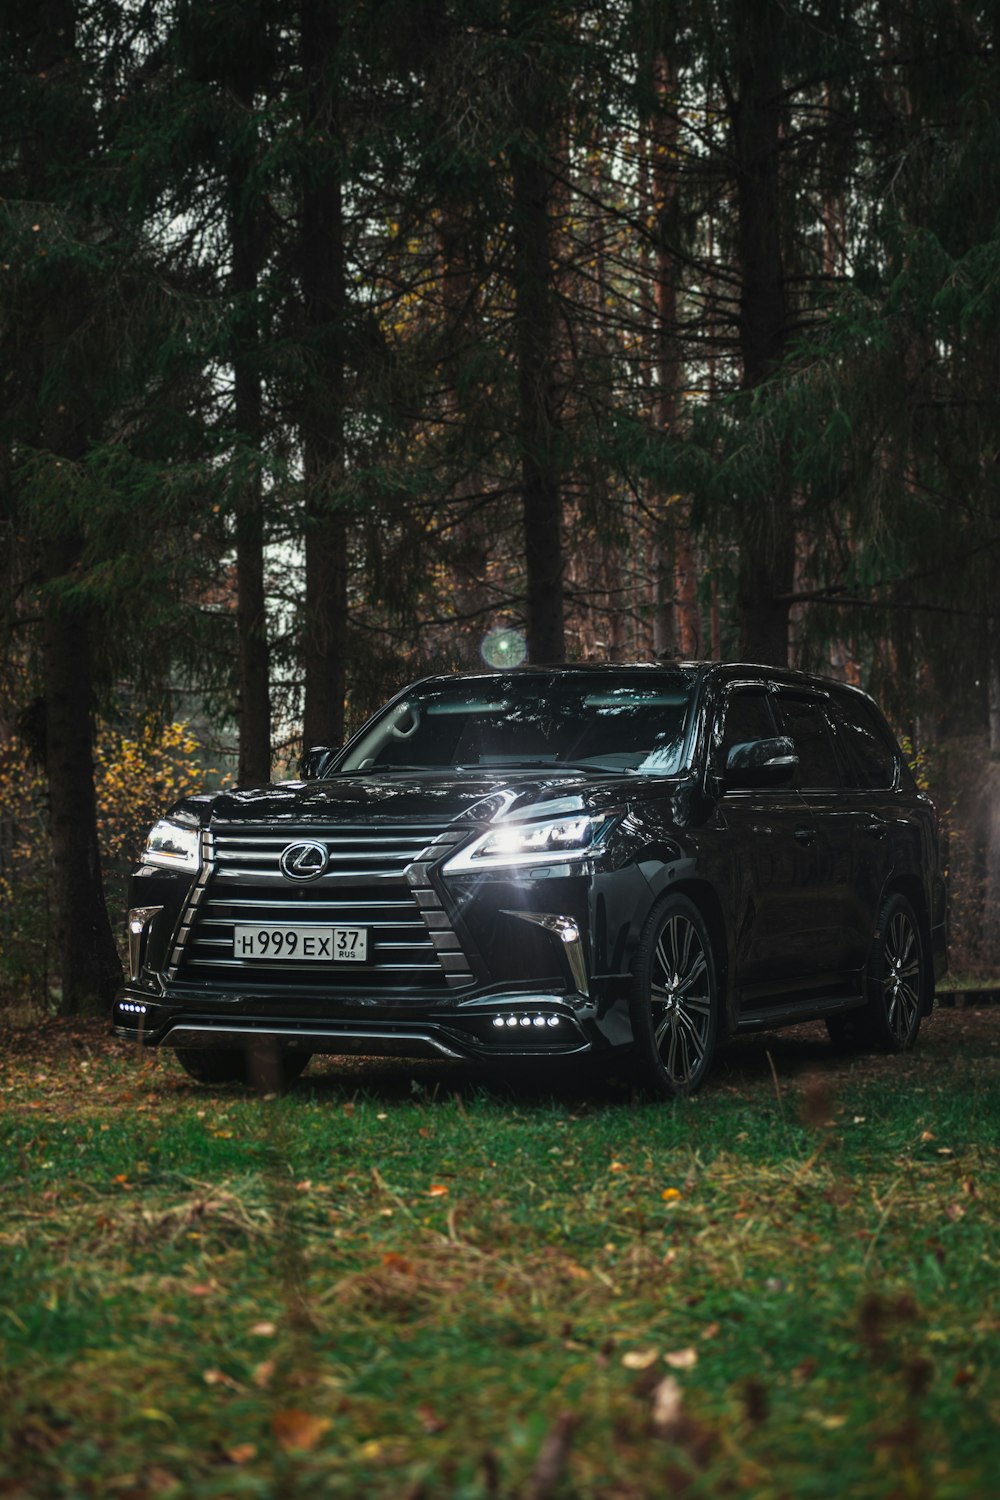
x=474 y=796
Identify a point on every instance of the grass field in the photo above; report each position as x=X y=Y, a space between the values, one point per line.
x=412 y=1280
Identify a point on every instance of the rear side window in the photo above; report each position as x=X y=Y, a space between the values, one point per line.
x=804 y=722
x=870 y=752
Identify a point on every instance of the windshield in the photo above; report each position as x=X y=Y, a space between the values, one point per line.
x=614 y=721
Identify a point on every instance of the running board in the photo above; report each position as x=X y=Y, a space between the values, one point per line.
x=791 y=1013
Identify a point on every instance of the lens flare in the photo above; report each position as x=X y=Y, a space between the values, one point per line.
x=503 y=647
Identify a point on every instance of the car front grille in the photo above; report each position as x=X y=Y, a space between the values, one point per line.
x=377 y=877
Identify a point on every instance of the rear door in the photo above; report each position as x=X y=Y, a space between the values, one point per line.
x=825 y=833
x=871 y=772
x=773 y=869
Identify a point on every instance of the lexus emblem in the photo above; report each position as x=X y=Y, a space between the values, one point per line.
x=303 y=861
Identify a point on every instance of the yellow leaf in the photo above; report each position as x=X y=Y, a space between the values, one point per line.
x=640 y=1359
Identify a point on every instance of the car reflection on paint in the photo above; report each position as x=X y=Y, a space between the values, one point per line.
x=630 y=862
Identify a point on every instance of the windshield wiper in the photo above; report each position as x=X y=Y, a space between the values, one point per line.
x=547 y=765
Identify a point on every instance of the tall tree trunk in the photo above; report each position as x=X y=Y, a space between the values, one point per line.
x=88 y=960
x=767 y=536
x=675 y=630
x=472 y=598
x=89 y=967
x=324 y=306
x=533 y=184
x=251 y=604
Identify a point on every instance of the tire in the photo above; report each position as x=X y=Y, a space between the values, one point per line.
x=265 y=1070
x=675 y=1001
x=896 y=977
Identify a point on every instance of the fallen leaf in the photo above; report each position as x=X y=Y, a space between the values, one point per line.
x=670 y=1195
x=429 y=1419
x=682 y=1359
x=264 y=1330
x=242 y=1453
x=437 y=1190
x=263 y=1374
x=219 y=1377
x=668 y=1407
x=831 y=1420
x=298 y=1430
x=640 y=1359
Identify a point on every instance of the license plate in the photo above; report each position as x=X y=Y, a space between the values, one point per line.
x=314 y=944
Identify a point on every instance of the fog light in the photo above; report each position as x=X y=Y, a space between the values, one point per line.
x=133 y=1010
x=538 y=1021
x=552 y=1021
x=498 y=1021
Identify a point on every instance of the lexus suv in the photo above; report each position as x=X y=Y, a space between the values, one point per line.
x=633 y=862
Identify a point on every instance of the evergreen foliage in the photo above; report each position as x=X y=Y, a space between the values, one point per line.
x=335 y=336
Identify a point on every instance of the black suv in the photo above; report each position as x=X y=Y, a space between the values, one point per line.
x=630 y=861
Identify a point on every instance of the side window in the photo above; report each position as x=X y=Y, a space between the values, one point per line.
x=747 y=717
x=870 y=751
x=804 y=721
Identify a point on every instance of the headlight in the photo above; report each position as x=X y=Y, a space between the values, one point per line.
x=173 y=846
x=554 y=841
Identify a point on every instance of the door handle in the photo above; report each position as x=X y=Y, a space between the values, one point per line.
x=805 y=835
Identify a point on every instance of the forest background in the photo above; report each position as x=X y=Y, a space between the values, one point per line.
x=344 y=341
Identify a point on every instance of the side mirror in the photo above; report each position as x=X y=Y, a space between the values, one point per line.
x=316 y=761
x=761 y=763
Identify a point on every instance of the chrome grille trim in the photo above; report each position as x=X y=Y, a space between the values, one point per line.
x=387 y=872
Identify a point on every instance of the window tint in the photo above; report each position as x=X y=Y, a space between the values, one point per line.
x=747 y=717
x=869 y=749
x=804 y=721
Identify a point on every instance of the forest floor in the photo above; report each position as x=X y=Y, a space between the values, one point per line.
x=416 y=1280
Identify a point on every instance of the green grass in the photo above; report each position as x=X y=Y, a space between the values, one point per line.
x=400 y=1281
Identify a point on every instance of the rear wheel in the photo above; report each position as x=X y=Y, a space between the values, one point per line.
x=896 y=977
x=675 y=1004
x=265 y=1069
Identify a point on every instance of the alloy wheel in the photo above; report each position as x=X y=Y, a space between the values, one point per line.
x=901 y=977
x=680 y=998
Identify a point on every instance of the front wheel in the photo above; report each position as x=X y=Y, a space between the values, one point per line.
x=675 y=1001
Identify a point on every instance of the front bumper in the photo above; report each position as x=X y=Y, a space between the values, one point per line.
x=495 y=1025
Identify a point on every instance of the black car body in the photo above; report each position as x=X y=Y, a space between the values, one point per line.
x=628 y=861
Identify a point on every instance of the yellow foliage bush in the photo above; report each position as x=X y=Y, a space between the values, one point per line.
x=136 y=777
